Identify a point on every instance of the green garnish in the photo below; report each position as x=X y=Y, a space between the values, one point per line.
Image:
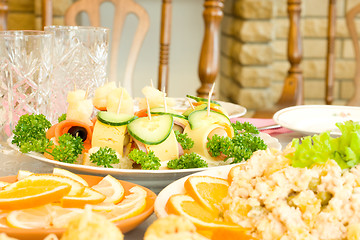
x=30 y=133
x=62 y=117
x=69 y=148
x=185 y=142
x=186 y=161
x=105 y=156
x=240 y=147
x=245 y=127
x=345 y=150
x=148 y=161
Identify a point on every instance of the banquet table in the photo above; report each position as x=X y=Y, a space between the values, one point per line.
x=11 y=161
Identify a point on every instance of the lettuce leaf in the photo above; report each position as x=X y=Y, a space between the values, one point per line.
x=318 y=149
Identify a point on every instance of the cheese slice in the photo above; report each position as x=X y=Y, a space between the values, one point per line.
x=109 y=136
x=166 y=150
x=199 y=136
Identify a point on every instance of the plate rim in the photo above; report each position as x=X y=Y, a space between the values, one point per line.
x=149 y=209
x=277 y=116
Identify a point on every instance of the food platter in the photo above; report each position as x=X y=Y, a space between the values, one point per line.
x=125 y=225
x=155 y=180
x=314 y=119
x=177 y=187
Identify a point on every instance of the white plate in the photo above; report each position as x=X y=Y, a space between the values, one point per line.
x=155 y=180
x=177 y=187
x=315 y=119
x=234 y=110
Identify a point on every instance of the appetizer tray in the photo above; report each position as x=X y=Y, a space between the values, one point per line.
x=155 y=180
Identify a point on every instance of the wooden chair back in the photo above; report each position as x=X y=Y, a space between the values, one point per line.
x=122 y=9
x=3 y=14
x=350 y=21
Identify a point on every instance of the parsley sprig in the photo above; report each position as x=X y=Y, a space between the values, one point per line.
x=69 y=148
x=187 y=160
x=240 y=147
x=30 y=135
x=148 y=161
x=185 y=142
x=105 y=157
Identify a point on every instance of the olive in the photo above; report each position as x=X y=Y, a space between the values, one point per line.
x=325 y=197
x=313 y=184
x=77 y=131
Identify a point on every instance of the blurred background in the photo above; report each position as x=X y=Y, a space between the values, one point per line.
x=253 y=62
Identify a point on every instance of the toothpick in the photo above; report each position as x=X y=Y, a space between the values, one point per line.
x=86 y=93
x=148 y=108
x=74 y=86
x=151 y=83
x=191 y=105
x=165 y=105
x=119 y=106
x=209 y=98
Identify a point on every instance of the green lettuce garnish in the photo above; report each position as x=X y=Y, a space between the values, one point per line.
x=345 y=150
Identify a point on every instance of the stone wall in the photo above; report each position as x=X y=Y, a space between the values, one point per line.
x=26 y=14
x=253 y=52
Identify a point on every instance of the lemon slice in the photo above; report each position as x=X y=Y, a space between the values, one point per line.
x=66 y=173
x=39 y=217
x=23 y=174
x=89 y=196
x=111 y=188
x=132 y=205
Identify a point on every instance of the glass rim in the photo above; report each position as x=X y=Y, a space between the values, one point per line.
x=85 y=28
x=24 y=33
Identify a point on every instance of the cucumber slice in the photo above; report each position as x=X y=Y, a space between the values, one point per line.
x=200 y=118
x=190 y=110
x=199 y=99
x=114 y=119
x=161 y=111
x=152 y=131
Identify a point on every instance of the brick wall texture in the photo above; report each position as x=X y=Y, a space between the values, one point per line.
x=254 y=47
x=26 y=14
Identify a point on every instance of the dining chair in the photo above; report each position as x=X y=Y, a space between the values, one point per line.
x=122 y=9
x=3 y=14
x=209 y=54
x=350 y=21
x=293 y=89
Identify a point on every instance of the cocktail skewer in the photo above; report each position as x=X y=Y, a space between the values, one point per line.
x=148 y=108
x=209 y=98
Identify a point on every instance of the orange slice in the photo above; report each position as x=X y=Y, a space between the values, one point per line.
x=111 y=188
x=76 y=187
x=132 y=205
x=206 y=190
x=66 y=173
x=32 y=192
x=89 y=196
x=203 y=218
